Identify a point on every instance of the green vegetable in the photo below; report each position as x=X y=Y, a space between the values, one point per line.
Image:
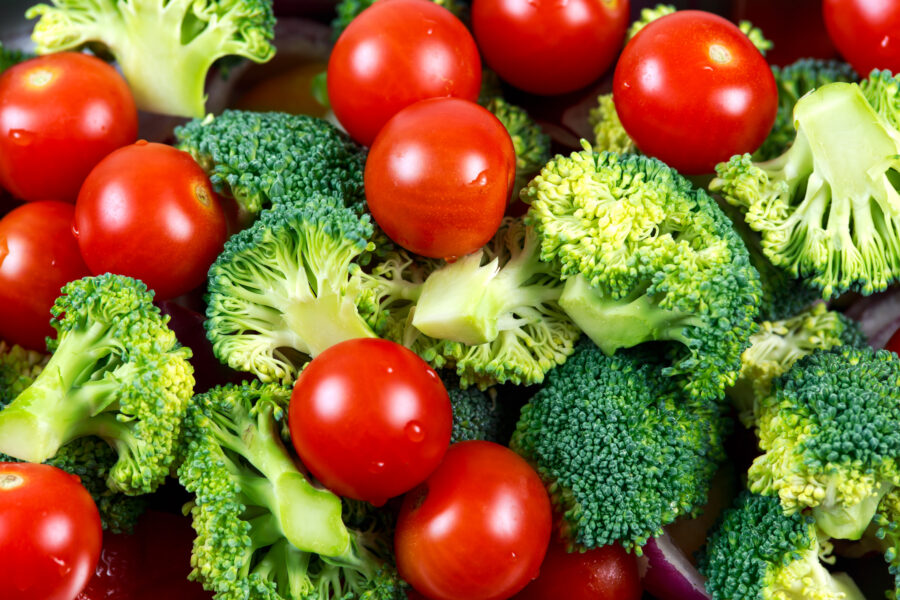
x=10 y=57
x=531 y=144
x=165 y=49
x=477 y=415
x=887 y=536
x=609 y=135
x=648 y=15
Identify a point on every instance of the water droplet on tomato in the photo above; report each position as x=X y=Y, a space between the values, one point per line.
x=75 y=231
x=414 y=431
x=376 y=466
x=390 y=369
x=21 y=137
x=885 y=41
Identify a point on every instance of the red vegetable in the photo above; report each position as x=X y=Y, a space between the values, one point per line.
x=866 y=33
x=50 y=533
x=60 y=114
x=395 y=53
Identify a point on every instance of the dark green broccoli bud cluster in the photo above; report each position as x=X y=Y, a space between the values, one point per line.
x=347 y=10
x=829 y=430
x=281 y=290
x=118 y=373
x=264 y=531
x=795 y=81
x=646 y=257
x=828 y=209
x=620 y=448
x=266 y=158
x=476 y=414
x=10 y=57
x=531 y=144
x=756 y=552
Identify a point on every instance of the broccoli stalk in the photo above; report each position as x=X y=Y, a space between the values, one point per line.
x=165 y=49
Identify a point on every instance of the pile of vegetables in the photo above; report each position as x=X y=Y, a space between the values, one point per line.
x=421 y=349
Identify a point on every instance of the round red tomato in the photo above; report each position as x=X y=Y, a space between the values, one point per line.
x=477 y=529
x=50 y=534
x=439 y=177
x=38 y=255
x=60 y=114
x=606 y=573
x=866 y=33
x=547 y=46
x=148 y=211
x=393 y=54
x=692 y=90
x=370 y=419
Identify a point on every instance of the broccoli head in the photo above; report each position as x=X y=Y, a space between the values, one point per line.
x=116 y=372
x=531 y=144
x=264 y=158
x=165 y=49
x=830 y=430
x=18 y=368
x=886 y=528
x=620 y=448
x=10 y=57
x=609 y=135
x=828 y=208
x=646 y=257
x=477 y=415
x=264 y=530
x=756 y=552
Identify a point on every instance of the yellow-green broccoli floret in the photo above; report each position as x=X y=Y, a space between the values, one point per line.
x=609 y=135
x=531 y=144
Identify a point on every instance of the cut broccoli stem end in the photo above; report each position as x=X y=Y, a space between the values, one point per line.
x=326 y=320
x=614 y=324
x=849 y=522
x=150 y=75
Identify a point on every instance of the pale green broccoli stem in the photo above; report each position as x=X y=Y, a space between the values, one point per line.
x=621 y=323
x=849 y=522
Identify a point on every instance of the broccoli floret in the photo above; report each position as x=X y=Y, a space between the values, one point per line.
x=609 y=135
x=648 y=15
x=10 y=57
x=830 y=430
x=756 y=552
x=779 y=344
x=18 y=368
x=476 y=414
x=886 y=535
x=164 y=49
x=264 y=158
x=347 y=10
x=116 y=372
x=620 y=448
x=282 y=289
x=264 y=531
x=646 y=257
x=794 y=81
x=531 y=144
x=828 y=208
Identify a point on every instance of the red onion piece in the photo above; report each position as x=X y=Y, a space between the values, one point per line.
x=668 y=574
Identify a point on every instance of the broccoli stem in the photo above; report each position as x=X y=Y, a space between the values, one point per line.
x=849 y=522
x=325 y=320
x=612 y=323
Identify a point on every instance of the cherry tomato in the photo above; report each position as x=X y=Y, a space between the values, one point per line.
x=692 y=90
x=477 y=529
x=778 y=21
x=866 y=33
x=393 y=54
x=439 y=177
x=370 y=419
x=606 y=573
x=50 y=533
x=547 y=46
x=60 y=114
x=148 y=211
x=38 y=255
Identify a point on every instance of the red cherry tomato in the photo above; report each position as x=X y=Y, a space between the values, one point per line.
x=439 y=177
x=38 y=255
x=393 y=54
x=866 y=33
x=477 y=529
x=778 y=21
x=547 y=46
x=692 y=90
x=60 y=114
x=50 y=534
x=607 y=573
x=370 y=419
x=148 y=211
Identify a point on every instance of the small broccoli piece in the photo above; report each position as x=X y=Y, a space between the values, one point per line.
x=648 y=15
x=18 y=368
x=621 y=450
x=886 y=535
x=347 y=10
x=10 y=57
x=609 y=135
x=116 y=372
x=164 y=49
x=531 y=144
x=828 y=208
x=779 y=344
x=265 y=158
x=646 y=257
x=757 y=38
x=282 y=289
x=264 y=531
x=830 y=430
x=476 y=415
x=794 y=81
x=756 y=552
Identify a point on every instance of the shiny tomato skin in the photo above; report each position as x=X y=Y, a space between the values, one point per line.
x=550 y=47
x=370 y=419
x=692 y=90
x=148 y=211
x=477 y=529
x=605 y=573
x=393 y=54
x=50 y=534
x=866 y=33
x=38 y=255
x=60 y=114
x=439 y=177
